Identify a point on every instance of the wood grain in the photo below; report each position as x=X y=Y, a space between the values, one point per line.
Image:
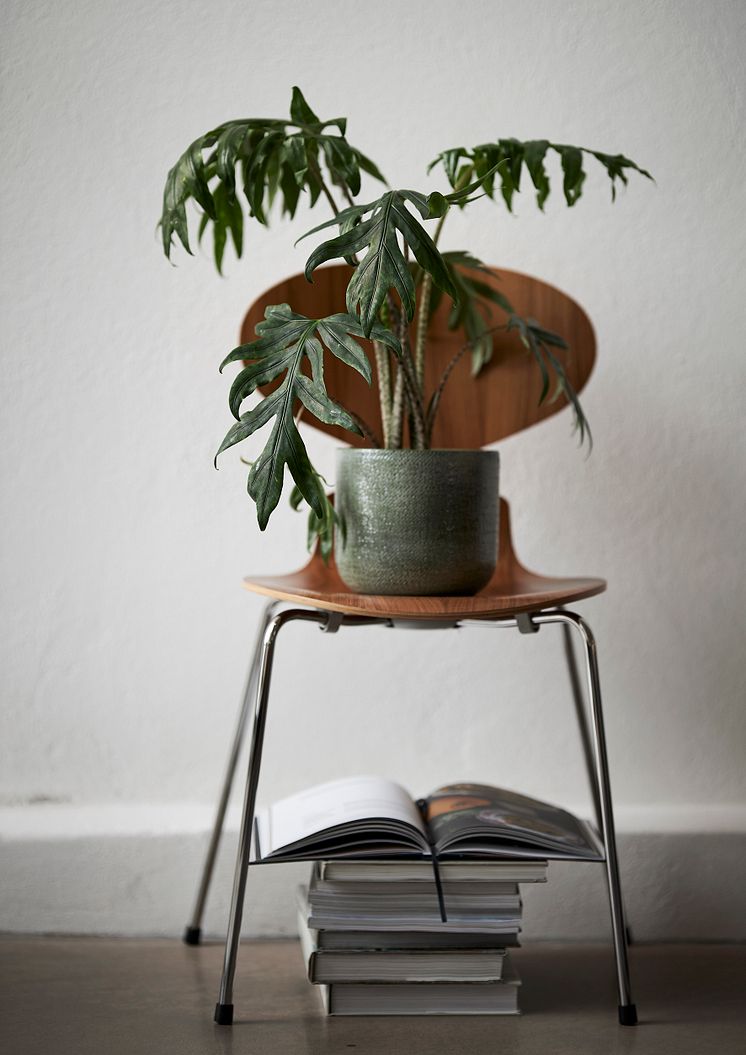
x=511 y=590
x=474 y=412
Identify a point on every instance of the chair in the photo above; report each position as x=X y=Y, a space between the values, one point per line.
x=503 y=401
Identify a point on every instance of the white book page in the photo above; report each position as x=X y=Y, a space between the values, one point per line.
x=337 y=802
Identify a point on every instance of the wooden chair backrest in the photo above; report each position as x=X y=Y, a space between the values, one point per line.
x=474 y=412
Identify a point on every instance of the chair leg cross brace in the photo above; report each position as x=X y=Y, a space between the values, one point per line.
x=258 y=684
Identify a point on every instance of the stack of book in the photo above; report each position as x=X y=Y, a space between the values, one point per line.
x=413 y=906
x=375 y=943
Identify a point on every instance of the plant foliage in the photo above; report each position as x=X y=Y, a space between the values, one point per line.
x=540 y=343
x=250 y=166
x=286 y=341
x=472 y=310
x=512 y=156
x=320 y=528
x=473 y=313
x=376 y=228
x=263 y=160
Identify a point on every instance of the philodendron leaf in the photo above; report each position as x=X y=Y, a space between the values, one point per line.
x=472 y=312
x=384 y=266
x=438 y=204
x=275 y=158
x=320 y=528
x=284 y=340
x=228 y=220
x=375 y=228
x=513 y=154
x=539 y=343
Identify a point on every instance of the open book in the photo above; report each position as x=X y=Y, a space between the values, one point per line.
x=373 y=817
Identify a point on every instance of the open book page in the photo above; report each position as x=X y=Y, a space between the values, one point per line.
x=480 y=818
x=354 y=808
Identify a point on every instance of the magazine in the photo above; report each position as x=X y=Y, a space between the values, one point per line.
x=359 y=817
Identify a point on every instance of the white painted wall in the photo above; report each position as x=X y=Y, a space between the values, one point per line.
x=124 y=629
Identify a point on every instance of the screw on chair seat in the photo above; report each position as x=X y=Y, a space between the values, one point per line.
x=511 y=590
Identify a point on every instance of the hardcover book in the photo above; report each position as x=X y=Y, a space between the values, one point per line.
x=409 y=906
x=418 y=998
x=458 y=964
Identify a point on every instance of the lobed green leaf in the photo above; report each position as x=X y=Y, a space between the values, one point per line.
x=511 y=156
x=375 y=228
x=285 y=340
x=268 y=159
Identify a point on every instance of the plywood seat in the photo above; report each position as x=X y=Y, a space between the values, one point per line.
x=512 y=589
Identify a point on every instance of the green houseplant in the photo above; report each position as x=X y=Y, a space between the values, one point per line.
x=257 y=166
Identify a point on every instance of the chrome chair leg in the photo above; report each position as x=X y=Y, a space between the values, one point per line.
x=224 y=1006
x=585 y=737
x=627 y=1009
x=193 y=931
x=582 y=720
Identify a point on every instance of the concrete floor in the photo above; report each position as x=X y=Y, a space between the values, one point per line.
x=74 y=996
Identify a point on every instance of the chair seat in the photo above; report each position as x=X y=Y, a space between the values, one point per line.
x=511 y=590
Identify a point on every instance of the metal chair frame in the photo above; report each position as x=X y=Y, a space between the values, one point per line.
x=257 y=691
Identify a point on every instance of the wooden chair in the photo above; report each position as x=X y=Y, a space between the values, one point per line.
x=474 y=413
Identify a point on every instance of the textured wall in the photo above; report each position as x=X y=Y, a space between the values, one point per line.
x=125 y=632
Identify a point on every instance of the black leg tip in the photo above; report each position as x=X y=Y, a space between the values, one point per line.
x=224 y=1014
x=192 y=935
x=627 y=1015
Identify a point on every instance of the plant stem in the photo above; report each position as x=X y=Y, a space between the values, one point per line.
x=412 y=389
x=316 y=169
x=423 y=324
x=435 y=398
x=383 y=366
x=397 y=412
x=415 y=404
x=423 y=321
x=441 y=221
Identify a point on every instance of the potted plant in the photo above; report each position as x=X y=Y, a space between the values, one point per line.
x=409 y=519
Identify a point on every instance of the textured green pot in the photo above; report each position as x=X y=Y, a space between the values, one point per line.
x=417 y=522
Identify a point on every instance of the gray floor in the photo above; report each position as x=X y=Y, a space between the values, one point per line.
x=68 y=995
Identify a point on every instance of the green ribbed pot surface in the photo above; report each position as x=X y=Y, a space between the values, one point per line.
x=417 y=522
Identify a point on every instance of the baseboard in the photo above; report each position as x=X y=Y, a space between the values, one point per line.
x=132 y=870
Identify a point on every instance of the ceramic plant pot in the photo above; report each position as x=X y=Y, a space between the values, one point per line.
x=417 y=522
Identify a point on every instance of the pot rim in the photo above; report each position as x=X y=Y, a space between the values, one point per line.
x=389 y=452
